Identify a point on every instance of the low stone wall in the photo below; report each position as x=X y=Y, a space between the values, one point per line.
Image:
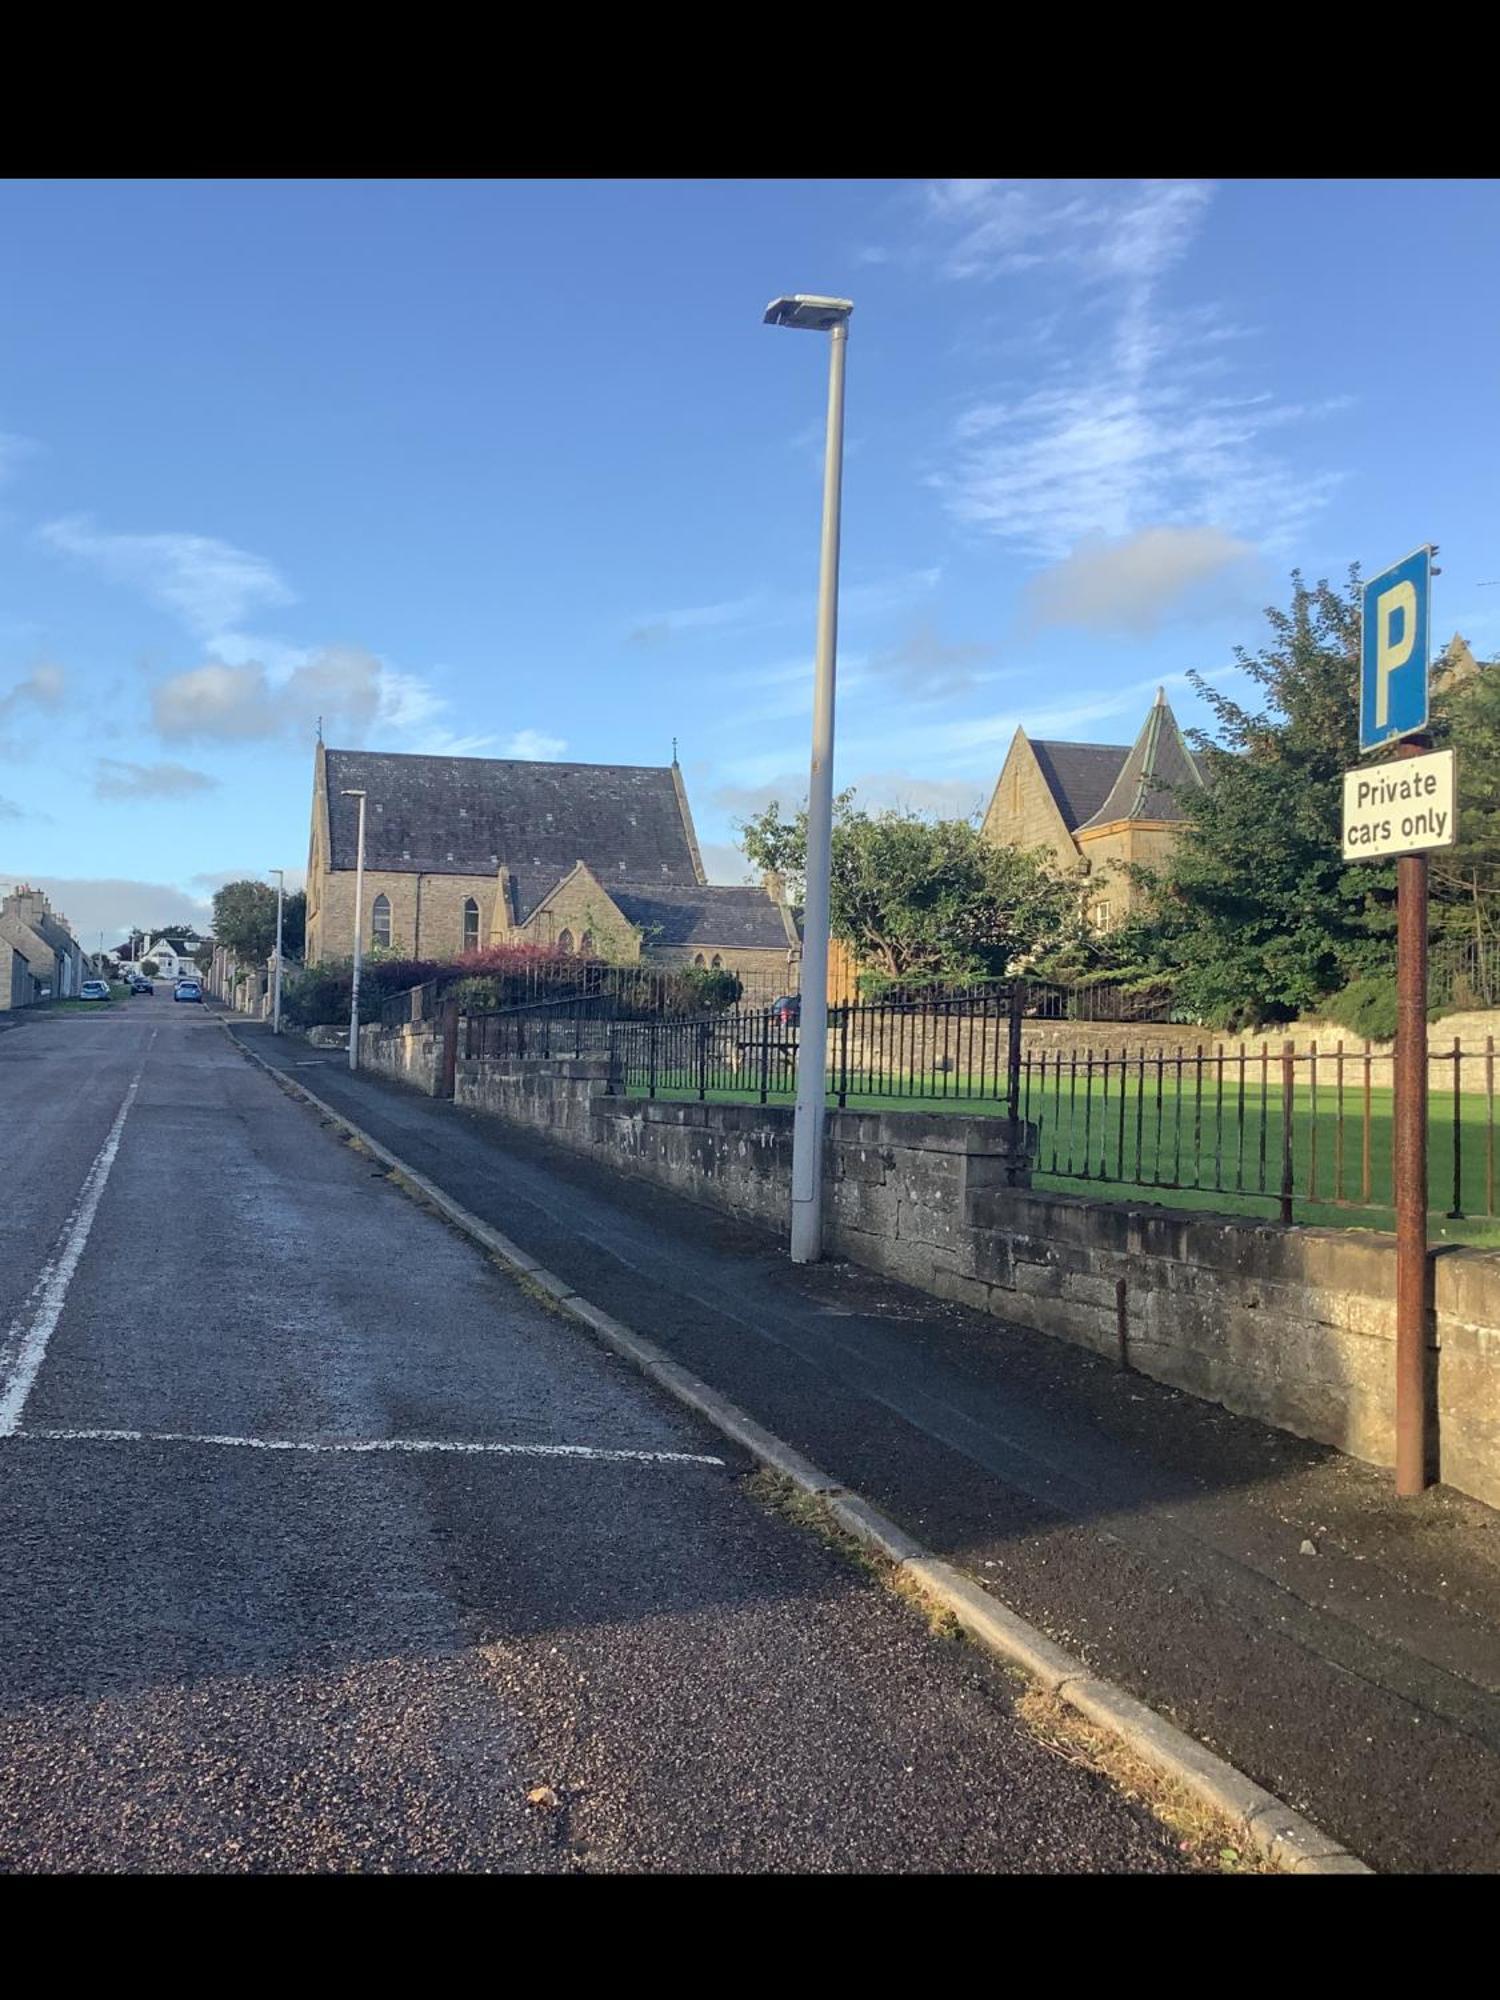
x=411 y=1054
x=1293 y=1326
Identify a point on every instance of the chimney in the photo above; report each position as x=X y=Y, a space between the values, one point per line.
x=773 y=884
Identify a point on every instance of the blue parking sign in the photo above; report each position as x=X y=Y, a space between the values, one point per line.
x=1393 y=652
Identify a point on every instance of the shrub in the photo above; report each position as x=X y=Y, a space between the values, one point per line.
x=1367 y=1008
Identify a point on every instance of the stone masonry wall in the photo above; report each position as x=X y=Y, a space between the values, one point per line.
x=1294 y=1327
x=412 y=1054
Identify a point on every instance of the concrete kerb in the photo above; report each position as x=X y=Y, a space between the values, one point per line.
x=1268 y=1823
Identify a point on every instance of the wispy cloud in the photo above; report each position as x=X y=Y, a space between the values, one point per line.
x=10 y=810
x=867 y=597
x=927 y=667
x=1133 y=426
x=662 y=626
x=252 y=686
x=115 y=778
x=210 y=585
x=534 y=744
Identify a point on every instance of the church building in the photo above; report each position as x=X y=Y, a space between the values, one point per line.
x=462 y=852
x=1097 y=806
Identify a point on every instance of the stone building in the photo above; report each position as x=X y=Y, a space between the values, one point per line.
x=462 y=852
x=1097 y=806
x=38 y=935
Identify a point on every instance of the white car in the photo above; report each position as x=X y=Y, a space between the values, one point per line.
x=94 y=989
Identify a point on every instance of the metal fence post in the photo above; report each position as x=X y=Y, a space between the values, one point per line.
x=1288 y=1096
x=1013 y=1052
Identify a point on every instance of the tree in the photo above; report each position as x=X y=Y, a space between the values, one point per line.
x=915 y=897
x=1465 y=878
x=1256 y=917
x=245 y=921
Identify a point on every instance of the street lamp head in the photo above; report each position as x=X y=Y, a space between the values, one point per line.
x=351 y=795
x=805 y=310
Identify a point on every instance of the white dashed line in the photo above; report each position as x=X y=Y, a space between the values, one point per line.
x=25 y=1344
x=608 y=1454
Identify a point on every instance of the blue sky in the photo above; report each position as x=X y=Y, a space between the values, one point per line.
x=515 y=469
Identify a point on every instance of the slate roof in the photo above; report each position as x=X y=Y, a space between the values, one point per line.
x=746 y=919
x=1158 y=768
x=471 y=815
x=1080 y=775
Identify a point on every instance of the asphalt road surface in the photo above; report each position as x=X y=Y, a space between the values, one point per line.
x=325 y=1547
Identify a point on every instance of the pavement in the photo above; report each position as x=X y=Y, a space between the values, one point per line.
x=324 y=1546
x=1160 y=1538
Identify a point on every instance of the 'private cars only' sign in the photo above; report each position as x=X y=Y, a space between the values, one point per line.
x=1400 y=807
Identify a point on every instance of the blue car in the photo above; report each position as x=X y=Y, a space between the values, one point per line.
x=187 y=989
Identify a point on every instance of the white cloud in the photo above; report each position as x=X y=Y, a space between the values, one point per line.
x=532 y=743
x=44 y=688
x=1131 y=427
x=113 y=904
x=210 y=585
x=114 y=778
x=1132 y=584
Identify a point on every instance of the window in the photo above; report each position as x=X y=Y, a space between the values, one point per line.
x=380 y=922
x=471 y=924
x=716 y=962
x=699 y=960
x=1100 y=916
x=565 y=941
x=586 y=944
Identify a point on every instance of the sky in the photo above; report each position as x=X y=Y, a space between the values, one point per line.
x=515 y=469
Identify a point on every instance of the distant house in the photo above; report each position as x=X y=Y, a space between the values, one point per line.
x=172 y=954
x=1098 y=807
x=34 y=931
x=17 y=986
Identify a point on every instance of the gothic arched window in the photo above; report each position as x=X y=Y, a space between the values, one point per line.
x=471 y=924
x=717 y=963
x=699 y=960
x=380 y=921
x=565 y=941
x=586 y=944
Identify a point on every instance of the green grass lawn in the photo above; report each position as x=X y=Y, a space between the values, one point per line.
x=1184 y=1151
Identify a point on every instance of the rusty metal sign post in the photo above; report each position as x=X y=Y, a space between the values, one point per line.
x=1403 y=808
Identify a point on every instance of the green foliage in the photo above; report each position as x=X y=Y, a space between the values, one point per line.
x=150 y=968
x=1366 y=1007
x=245 y=921
x=913 y=897
x=1465 y=879
x=1256 y=918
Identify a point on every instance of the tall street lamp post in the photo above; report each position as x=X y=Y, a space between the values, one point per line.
x=280 y=874
x=359 y=933
x=830 y=316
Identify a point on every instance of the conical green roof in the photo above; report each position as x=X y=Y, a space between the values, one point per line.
x=1160 y=765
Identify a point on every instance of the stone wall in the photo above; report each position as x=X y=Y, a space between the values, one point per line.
x=1292 y=1326
x=412 y=1054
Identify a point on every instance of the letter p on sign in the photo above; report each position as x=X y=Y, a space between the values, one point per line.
x=1393 y=652
x=1395 y=639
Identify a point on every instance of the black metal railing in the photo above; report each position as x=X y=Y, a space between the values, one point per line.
x=1304 y=1128
x=1293 y=1129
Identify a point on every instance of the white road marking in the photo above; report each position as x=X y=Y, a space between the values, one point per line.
x=25 y=1344
x=609 y=1454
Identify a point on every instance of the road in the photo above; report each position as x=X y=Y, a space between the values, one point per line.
x=323 y=1546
